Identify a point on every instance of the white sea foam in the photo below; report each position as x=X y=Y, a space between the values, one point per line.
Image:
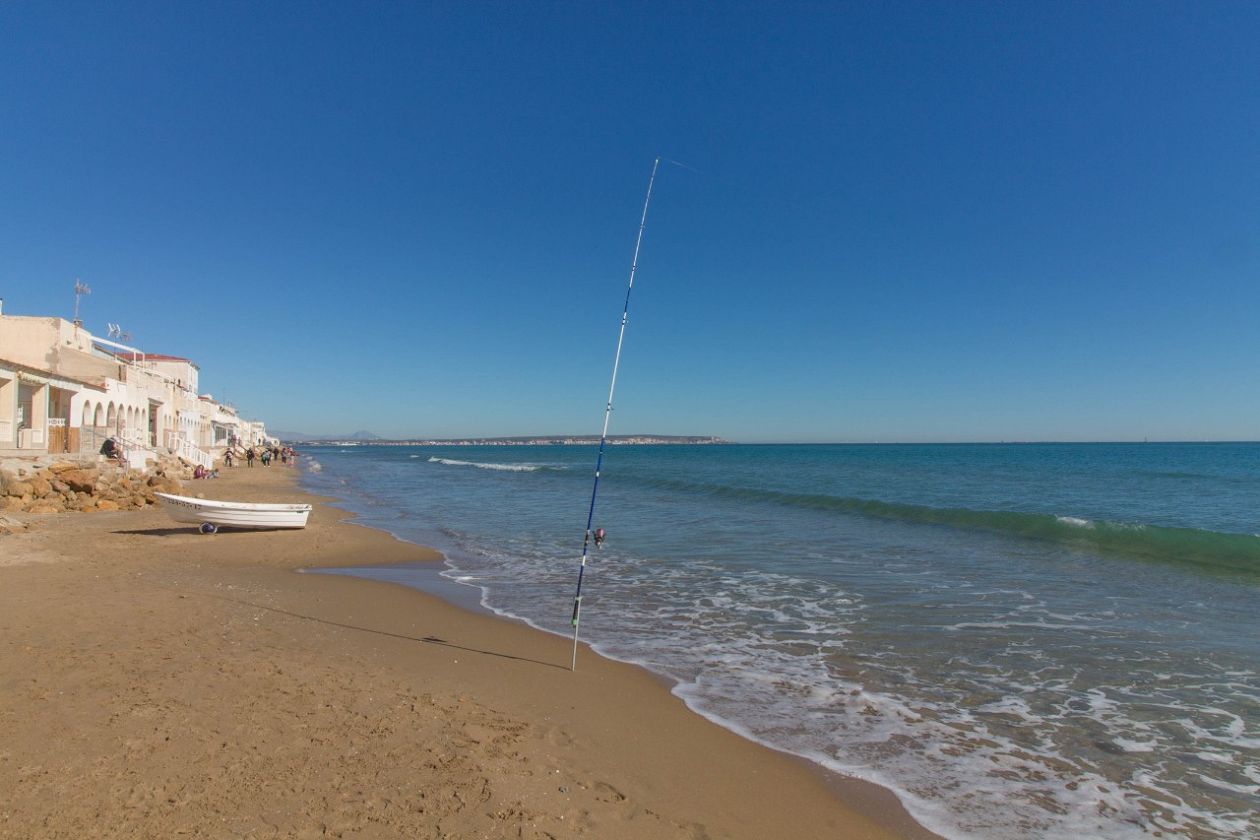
x=451 y=462
x=1251 y=790
x=1007 y=625
x=1075 y=521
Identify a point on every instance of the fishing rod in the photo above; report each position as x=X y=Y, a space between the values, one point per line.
x=603 y=435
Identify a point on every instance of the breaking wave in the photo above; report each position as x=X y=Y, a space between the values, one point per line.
x=451 y=462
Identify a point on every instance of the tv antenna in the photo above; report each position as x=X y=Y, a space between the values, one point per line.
x=80 y=289
x=116 y=332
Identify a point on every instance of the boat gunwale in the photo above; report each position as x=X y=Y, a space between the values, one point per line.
x=189 y=502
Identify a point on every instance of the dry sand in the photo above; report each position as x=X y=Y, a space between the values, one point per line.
x=159 y=683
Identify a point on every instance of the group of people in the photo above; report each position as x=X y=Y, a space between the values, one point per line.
x=266 y=454
x=112 y=449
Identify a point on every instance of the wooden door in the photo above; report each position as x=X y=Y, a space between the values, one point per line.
x=58 y=440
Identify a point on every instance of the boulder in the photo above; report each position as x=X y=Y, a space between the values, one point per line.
x=167 y=484
x=62 y=466
x=40 y=486
x=11 y=504
x=43 y=507
x=19 y=489
x=107 y=504
x=80 y=481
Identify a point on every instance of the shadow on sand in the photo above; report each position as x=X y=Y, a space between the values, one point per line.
x=159 y=532
x=427 y=640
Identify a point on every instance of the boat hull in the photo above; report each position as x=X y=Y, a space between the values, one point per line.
x=234 y=514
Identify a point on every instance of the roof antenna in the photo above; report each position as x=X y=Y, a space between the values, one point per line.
x=80 y=289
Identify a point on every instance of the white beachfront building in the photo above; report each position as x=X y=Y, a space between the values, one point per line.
x=63 y=390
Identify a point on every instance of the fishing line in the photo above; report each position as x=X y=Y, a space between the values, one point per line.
x=603 y=436
x=683 y=165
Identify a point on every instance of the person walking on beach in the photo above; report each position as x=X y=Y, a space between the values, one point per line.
x=266 y=457
x=228 y=457
x=249 y=457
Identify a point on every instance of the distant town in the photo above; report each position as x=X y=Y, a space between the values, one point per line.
x=360 y=439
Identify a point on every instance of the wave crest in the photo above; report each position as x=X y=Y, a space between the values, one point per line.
x=451 y=462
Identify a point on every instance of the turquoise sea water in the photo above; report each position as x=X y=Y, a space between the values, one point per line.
x=1019 y=640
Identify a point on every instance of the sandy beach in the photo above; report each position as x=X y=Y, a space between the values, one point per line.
x=159 y=683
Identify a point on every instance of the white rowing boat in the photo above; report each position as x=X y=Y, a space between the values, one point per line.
x=211 y=514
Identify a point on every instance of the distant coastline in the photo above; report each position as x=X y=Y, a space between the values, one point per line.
x=554 y=440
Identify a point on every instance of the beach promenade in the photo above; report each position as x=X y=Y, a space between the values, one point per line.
x=159 y=683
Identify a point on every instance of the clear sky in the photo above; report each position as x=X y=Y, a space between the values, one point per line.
x=897 y=221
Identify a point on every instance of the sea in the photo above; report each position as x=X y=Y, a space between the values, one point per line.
x=1026 y=640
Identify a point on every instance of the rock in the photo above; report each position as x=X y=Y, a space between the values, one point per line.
x=19 y=489
x=107 y=504
x=43 y=507
x=40 y=487
x=168 y=485
x=80 y=481
x=62 y=466
x=60 y=486
x=11 y=504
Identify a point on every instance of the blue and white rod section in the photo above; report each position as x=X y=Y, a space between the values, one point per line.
x=603 y=436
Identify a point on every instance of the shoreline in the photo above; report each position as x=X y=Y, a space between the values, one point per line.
x=864 y=796
x=357 y=707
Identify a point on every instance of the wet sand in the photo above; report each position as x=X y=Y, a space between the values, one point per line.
x=155 y=682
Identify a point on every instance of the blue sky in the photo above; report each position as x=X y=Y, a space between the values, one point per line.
x=920 y=221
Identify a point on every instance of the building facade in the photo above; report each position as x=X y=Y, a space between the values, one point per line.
x=64 y=391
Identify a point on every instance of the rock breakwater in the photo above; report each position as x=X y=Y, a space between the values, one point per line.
x=69 y=486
